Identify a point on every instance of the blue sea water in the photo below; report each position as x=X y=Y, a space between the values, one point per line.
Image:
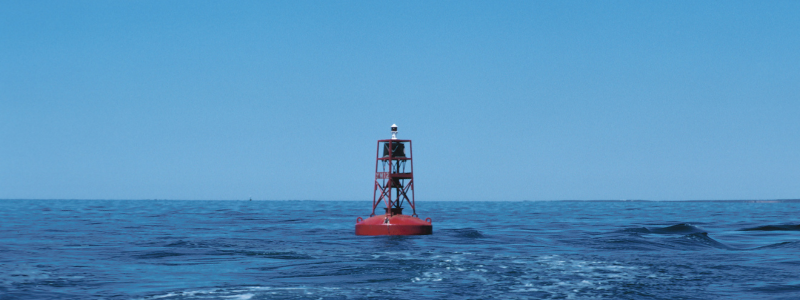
x=150 y=249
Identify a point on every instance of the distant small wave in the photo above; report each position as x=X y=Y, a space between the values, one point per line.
x=782 y=245
x=157 y=254
x=774 y=228
x=287 y=255
x=467 y=233
x=778 y=288
x=637 y=230
x=182 y=244
x=198 y=244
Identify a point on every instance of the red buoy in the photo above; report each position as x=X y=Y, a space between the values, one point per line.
x=394 y=174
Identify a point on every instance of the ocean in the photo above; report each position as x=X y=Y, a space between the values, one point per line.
x=154 y=249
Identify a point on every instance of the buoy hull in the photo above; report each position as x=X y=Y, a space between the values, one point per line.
x=394 y=225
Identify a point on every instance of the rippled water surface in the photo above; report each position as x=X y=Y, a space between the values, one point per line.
x=75 y=249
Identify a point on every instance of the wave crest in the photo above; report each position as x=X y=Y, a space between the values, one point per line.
x=683 y=228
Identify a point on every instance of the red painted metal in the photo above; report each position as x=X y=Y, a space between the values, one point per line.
x=392 y=177
x=393 y=225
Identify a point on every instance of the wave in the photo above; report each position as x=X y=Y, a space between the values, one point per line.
x=683 y=228
x=198 y=244
x=157 y=254
x=467 y=233
x=287 y=255
x=778 y=288
x=773 y=228
x=703 y=240
x=637 y=230
x=634 y=243
x=781 y=245
x=694 y=241
x=697 y=238
x=690 y=237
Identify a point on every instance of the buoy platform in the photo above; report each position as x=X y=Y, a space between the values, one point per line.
x=398 y=224
x=394 y=174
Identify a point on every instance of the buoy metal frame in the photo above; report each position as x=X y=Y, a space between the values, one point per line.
x=391 y=176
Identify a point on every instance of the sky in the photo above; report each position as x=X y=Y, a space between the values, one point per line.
x=503 y=100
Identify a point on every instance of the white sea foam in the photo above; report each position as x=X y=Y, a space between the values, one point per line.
x=246 y=293
x=240 y=297
x=558 y=276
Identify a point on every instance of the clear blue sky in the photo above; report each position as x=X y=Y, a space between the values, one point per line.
x=529 y=100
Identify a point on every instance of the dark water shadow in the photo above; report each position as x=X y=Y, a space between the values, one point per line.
x=773 y=228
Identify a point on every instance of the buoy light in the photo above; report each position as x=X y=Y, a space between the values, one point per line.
x=394 y=131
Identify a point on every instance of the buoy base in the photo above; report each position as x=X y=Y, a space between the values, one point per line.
x=394 y=225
